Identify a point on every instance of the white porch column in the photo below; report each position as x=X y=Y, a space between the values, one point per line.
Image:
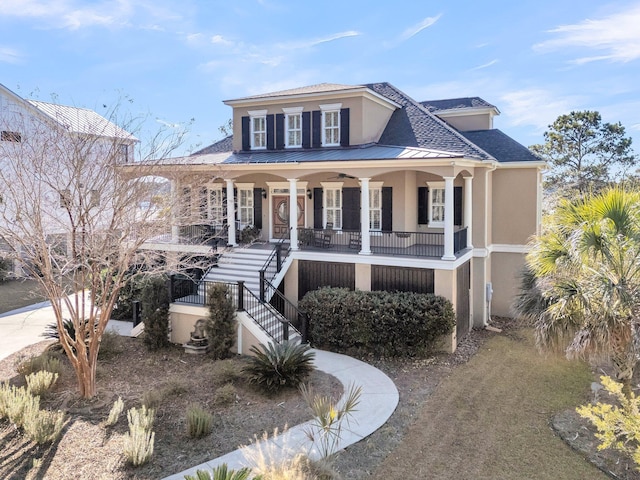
x=364 y=217
x=176 y=205
x=231 y=214
x=448 y=219
x=293 y=213
x=468 y=209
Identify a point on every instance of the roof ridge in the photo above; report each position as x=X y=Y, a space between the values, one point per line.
x=444 y=124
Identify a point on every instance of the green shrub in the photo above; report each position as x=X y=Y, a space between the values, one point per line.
x=43 y=426
x=379 y=323
x=225 y=395
x=39 y=383
x=128 y=293
x=248 y=235
x=139 y=441
x=155 y=312
x=199 y=422
x=221 y=324
x=276 y=366
x=222 y=472
x=114 y=413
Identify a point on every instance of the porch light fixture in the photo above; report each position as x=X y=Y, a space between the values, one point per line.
x=309 y=193
x=264 y=193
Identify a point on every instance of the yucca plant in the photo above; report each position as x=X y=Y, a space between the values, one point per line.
x=222 y=472
x=329 y=417
x=199 y=422
x=276 y=366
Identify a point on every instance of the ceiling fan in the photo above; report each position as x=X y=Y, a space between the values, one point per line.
x=341 y=175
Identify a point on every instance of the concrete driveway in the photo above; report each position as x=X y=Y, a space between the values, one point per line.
x=23 y=327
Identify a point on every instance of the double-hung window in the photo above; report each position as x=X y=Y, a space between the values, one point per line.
x=293 y=127
x=436 y=204
x=375 y=206
x=333 y=207
x=330 y=124
x=258 y=125
x=245 y=204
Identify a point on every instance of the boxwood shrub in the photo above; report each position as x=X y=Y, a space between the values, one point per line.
x=389 y=324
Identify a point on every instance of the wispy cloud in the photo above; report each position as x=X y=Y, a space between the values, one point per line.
x=9 y=55
x=534 y=106
x=415 y=29
x=615 y=37
x=484 y=65
x=75 y=14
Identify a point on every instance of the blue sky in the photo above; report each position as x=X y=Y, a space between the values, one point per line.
x=177 y=60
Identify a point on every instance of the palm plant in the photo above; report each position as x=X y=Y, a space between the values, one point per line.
x=581 y=287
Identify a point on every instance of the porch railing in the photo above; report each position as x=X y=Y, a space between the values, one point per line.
x=415 y=244
x=267 y=316
x=288 y=310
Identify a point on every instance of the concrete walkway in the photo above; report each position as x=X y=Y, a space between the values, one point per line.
x=378 y=401
x=25 y=326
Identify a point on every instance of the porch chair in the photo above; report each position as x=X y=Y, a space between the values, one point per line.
x=355 y=240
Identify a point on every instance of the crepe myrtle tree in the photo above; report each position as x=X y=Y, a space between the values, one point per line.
x=72 y=219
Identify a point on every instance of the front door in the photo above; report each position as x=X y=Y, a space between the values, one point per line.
x=280 y=219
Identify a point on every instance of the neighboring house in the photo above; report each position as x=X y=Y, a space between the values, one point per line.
x=33 y=131
x=388 y=194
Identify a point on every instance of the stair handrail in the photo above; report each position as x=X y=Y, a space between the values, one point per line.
x=301 y=316
x=254 y=301
x=277 y=255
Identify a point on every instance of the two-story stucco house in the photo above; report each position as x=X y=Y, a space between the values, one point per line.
x=369 y=189
x=50 y=141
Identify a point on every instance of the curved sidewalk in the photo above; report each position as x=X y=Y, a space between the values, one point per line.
x=378 y=401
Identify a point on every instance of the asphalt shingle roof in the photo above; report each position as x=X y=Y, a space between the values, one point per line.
x=435 y=106
x=224 y=145
x=414 y=126
x=501 y=146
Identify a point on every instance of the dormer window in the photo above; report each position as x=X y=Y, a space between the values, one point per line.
x=258 y=124
x=330 y=124
x=293 y=127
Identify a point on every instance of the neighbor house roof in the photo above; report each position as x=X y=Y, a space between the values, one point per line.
x=435 y=106
x=501 y=146
x=224 y=145
x=82 y=120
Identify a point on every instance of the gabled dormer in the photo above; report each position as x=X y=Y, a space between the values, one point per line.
x=464 y=114
x=318 y=116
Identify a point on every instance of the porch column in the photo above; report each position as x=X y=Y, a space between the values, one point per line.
x=364 y=217
x=176 y=206
x=231 y=214
x=448 y=219
x=468 y=208
x=293 y=213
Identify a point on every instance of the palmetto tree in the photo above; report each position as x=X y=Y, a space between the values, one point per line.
x=581 y=287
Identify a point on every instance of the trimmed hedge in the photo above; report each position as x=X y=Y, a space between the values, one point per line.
x=389 y=324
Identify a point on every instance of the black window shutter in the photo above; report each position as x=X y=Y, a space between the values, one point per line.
x=306 y=129
x=423 y=205
x=257 y=208
x=457 y=206
x=270 y=128
x=236 y=204
x=317 y=208
x=387 y=209
x=246 y=134
x=279 y=131
x=351 y=208
x=316 y=138
x=344 y=127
